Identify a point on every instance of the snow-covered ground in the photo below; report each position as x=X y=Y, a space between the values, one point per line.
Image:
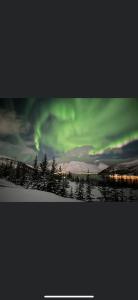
x=10 y=192
x=95 y=193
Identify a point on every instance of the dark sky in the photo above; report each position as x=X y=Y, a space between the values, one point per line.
x=74 y=128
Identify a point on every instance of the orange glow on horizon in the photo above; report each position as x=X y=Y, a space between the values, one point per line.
x=124 y=177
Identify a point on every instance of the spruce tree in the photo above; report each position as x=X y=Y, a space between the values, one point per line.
x=60 y=170
x=63 y=191
x=88 y=187
x=88 y=192
x=77 y=179
x=59 y=180
x=43 y=175
x=63 y=187
x=6 y=170
x=69 y=176
x=35 y=163
x=10 y=171
x=71 y=193
x=66 y=181
x=80 y=191
x=88 y=177
x=23 y=175
x=52 y=179
x=18 y=173
x=53 y=168
x=35 y=174
x=44 y=165
x=2 y=170
x=105 y=193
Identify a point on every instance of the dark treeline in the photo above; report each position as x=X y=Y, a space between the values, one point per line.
x=39 y=177
x=46 y=178
x=52 y=179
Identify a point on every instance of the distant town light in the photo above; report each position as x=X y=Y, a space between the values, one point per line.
x=124 y=177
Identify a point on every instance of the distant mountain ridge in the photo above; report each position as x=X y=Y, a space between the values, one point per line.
x=127 y=168
x=76 y=167
x=6 y=159
x=79 y=167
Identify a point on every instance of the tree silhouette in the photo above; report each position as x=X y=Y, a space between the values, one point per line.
x=44 y=165
x=88 y=192
x=52 y=179
x=71 y=193
x=88 y=187
x=79 y=194
x=59 y=177
x=63 y=191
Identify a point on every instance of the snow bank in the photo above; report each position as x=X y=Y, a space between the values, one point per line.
x=10 y=192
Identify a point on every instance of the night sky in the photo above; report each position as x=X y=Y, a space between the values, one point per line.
x=69 y=128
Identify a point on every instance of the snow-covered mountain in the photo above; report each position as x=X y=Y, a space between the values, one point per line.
x=79 y=167
x=8 y=160
x=76 y=167
x=127 y=168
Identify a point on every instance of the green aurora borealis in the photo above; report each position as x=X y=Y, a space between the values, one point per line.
x=68 y=127
x=64 y=124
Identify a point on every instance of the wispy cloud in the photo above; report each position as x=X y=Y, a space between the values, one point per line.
x=11 y=124
x=20 y=152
